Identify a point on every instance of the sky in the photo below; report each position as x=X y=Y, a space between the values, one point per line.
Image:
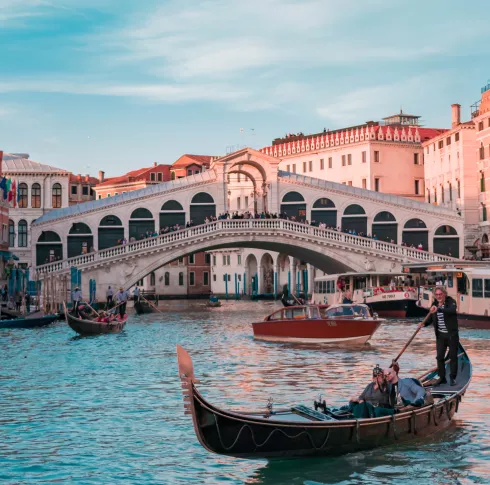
x=116 y=85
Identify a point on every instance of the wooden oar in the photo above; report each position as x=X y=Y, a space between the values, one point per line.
x=149 y=302
x=114 y=307
x=424 y=321
x=95 y=311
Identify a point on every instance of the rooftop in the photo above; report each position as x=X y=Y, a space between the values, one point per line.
x=16 y=164
x=133 y=176
x=187 y=159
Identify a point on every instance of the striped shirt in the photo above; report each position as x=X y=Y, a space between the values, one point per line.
x=441 y=325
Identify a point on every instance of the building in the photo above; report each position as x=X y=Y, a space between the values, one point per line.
x=5 y=255
x=134 y=180
x=450 y=163
x=82 y=188
x=40 y=188
x=189 y=165
x=382 y=156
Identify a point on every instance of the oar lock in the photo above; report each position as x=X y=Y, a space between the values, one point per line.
x=320 y=404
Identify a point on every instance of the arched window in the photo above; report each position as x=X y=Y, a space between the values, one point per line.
x=415 y=224
x=22 y=233
x=354 y=209
x=152 y=279
x=181 y=279
x=11 y=234
x=167 y=278
x=172 y=175
x=22 y=195
x=444 y=231
x=384 y=216
x=36 y=196
x=56 y=198
x=141 y=213
x=293 y=197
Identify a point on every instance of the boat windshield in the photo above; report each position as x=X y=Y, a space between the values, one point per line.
x=347 y=311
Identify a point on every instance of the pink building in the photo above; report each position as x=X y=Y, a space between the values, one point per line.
x=385 y=157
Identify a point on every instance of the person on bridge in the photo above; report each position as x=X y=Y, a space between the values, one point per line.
x=122 y=297
x=136 y=294
x=109 y=295
x=76 y=298
x=445 y=321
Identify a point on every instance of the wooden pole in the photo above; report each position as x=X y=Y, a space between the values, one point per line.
x=156 y=308
x=424 y=321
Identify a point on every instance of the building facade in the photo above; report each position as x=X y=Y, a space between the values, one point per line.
x=82 y=188
x=189 y=164
x=381 y=156
x=5 y=255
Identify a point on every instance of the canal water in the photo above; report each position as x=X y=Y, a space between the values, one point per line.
x=108 y=409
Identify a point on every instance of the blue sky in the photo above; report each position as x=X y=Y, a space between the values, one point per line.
x=119 y=84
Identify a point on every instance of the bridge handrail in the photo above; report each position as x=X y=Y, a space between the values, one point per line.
x=245 y=225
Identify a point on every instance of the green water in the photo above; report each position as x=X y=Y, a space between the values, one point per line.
x=108 y=409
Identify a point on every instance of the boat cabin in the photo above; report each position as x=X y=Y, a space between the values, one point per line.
x=320 y=312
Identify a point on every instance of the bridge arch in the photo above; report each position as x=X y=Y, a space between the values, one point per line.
x=80 y=239
x=293 y=204
x=172 y=213
x=385 y=227
x=354 y=219
x=49 y=247
x=251 y=275
x=446 y=241
x=110 y=231
x=266 y=274
x=202 y=205
x=141 y=222
x=324 y=210
x=415 y=232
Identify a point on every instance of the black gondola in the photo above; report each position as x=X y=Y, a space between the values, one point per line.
x=142 y=306
x=303 y=431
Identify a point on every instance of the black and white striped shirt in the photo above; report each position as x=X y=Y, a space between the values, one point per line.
x=441 y=324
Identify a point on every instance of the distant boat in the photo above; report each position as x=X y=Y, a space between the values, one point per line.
x=93 y=327
x=141 y=307
x=28 y=322
x=213 y=304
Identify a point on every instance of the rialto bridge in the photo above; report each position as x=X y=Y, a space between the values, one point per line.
x=87 y=235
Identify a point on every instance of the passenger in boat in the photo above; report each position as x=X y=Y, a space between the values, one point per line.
x=374 y=401
x=445 y=321
x=403 y=392
x=347 y=300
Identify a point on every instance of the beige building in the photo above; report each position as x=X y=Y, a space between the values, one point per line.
x=381 y=156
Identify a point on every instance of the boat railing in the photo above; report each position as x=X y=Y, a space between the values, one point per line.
x=227 y=227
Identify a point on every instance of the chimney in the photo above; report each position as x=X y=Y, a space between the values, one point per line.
x=154 y=164
x=87 y=177
x=101 y=175
x=79 y=177
x=456 y=115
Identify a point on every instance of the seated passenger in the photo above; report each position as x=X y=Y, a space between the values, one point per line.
x=404 y=393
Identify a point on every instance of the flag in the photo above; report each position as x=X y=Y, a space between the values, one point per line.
x=14 y=194
x=18 y=196
x=9 y=191
x=3 y=186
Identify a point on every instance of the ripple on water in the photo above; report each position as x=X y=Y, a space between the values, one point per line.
x=108 y=409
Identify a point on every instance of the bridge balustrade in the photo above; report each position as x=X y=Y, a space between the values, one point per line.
x=245 y=226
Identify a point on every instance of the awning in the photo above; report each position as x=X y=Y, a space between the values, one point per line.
x=6 y=255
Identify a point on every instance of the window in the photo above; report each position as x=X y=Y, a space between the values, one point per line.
x=238 y=204
x=448 y=140
x=22 y=195
x=364 y=183
x=205 y=277
x=181 y=261
x=207 y=258
x=349 y=183
x=153 y=177
x=480 y=128
x=189 y=172
x=482 y=182
x=22 y=241
x=450 y=191
x=482 y=152
x=192 y=278
x=224 y=260
x=440 y=144
x=160 y=176
x=116 y=193
x=310 y=165
x=11 y=234
x=456 y=137
x=214 y=277
x=304 y=167
x=483 y=213
x=294 y=168
x=343 y=160
x=167 y=279
x=487 y=288
x=415 y=158
x=238 y=178
x=288 y=168
x=36 y=196
x=152 y=279
x=364 y=157
x=442 y=194
x=56 y=198
x=428 y=196
x=99 y=197
x=477 y=285
x=239 y=259
x=435 y=195
x=417 y=187
x=181 y=279
x=376 y=184
x=322 y=164
x=228 y=260
x=196 y=172
x=330 y=162
x=459 y=189
x=349 y=159
x=376 y=156
x=246 y=202
x=85 y=190
x=192 y=259
x=74 y=190
x=214 y=260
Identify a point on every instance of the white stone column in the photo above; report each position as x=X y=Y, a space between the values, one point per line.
x=260 y=276
x=311 y=278
x=292 y=270
x=276 y=280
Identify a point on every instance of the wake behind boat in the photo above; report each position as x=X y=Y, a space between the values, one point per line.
x=303 y=431
x=346 y=324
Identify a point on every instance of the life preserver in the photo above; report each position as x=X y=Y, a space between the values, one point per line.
x=407 y=294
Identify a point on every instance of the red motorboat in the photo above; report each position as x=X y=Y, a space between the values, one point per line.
x=345 y=324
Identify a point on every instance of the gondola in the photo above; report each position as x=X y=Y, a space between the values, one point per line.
x=28 y=322
x=92 y=327
x=141 y=307
x=304 y=431
x=213 y=304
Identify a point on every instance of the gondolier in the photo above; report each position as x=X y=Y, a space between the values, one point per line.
x=136 y=294
x=109 y=295
x=445 y=321
x=122 y=296
x=76 y=298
